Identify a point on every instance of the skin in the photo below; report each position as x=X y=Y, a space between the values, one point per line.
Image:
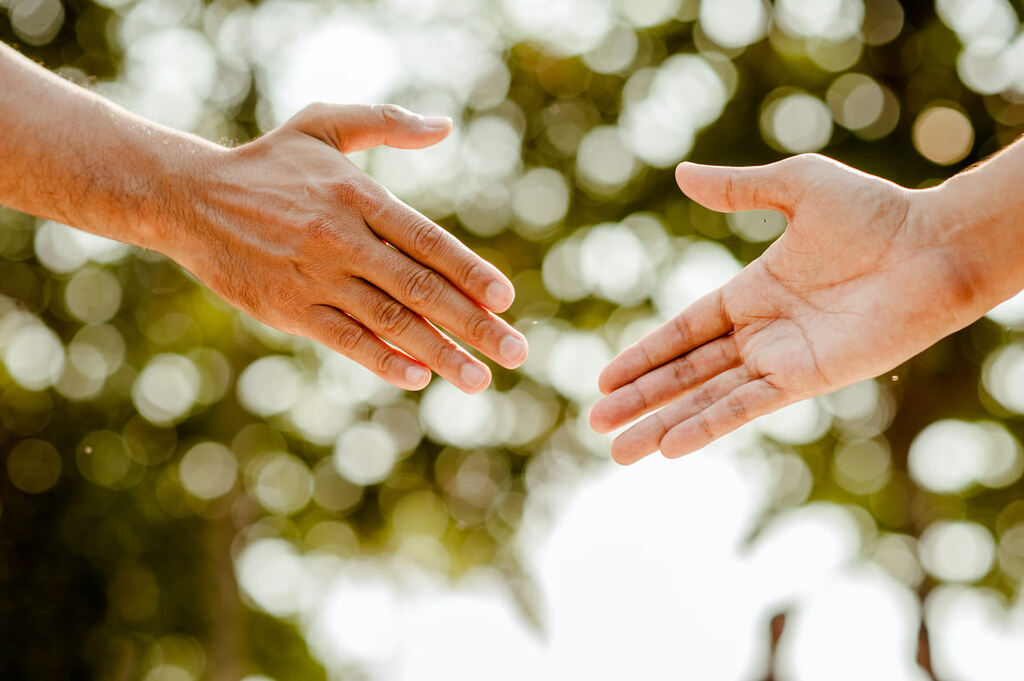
x=286 y=227
x=866 y=275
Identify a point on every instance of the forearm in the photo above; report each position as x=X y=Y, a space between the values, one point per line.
x=69 y=155
x=980 y=213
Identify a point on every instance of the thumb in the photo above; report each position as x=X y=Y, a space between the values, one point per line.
x=355 y=127
x=777 y=186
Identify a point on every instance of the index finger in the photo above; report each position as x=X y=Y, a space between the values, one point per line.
x=431 y=245
x=700 y=323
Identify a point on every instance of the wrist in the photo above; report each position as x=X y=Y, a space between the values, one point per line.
x=975 y=221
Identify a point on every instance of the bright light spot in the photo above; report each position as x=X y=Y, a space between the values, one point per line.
x=797 y=123
x=565 y=27
x=884 y=21
x=33 y=466
x=171 y=72
x=166 y=388
x=270 y=385
x=854 y=402
x=37 y=22
x=943 y=135
x=987 y=67
x=974 y=636
x=284 y=484
x=562 y=271
x=1003 y=376
x=322 y=66
x=734 y=23
x=271 y=574
x=826 y=638
x=614 y=264
x=365 y=454
x=602 y=161
x=168 y=672
x=574 y=363
x=976 y=20
x=320 y=416
x=659 y=122
x=897 y=553
x=453 y=417
x=802 y=422
x=1010 y=312
x=540 y=199
x=208 y=470
x=957 y=551
x=333 y=492
x=856 y=100
x=950 y=455
x=646 y=13
x=359 y=619
x=757 y=225
x=702 y=267
x=862 y=466
x=1011 y=551
x=93 y=295
x=492 y=148
x=615 y=53
x=832 y=20
x=34 y=356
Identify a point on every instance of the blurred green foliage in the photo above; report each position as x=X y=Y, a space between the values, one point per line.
x=114 y=567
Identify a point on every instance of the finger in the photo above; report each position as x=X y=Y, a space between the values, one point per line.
x=664 y=384
x=645 y=437
x=352 y=127
x=433 y=247
x=429 y=294
x=339 y=332
x=698 y=324
x=400 y=326
x=776 y=186
x=741 y=406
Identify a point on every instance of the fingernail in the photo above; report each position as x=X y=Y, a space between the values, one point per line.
x=437 y=121
x=417 y=375
x=499 y=295
x=473 y=376
x=512 y=349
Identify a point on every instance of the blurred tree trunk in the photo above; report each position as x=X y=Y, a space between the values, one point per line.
x=224 y=616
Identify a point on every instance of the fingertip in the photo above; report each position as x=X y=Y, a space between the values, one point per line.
x=598 y=422
x=474 y=377
x=417 y=377
x=513 y=350
x=499 y=295
x=438 y=123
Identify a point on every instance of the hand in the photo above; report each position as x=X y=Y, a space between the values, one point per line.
x=291 y=231
x=862 y=279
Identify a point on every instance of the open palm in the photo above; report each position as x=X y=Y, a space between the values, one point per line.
x=858 y=283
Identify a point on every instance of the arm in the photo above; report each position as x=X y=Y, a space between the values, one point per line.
x=285 y=227
x=866 y=275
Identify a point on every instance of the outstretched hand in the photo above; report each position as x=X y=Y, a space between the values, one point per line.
x=291 y=231
x=860 y=281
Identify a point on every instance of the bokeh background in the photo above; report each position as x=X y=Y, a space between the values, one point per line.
x=187 y=494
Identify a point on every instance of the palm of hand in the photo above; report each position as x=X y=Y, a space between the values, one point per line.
x=814 y=313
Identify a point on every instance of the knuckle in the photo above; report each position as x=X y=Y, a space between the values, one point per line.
x=471 y=271
x=389 y=114
x=392 y=318
x=424 y=288
x=478 y=329
x=384 y=361
x=427 y=238
x=447 y=354
x=347 y=337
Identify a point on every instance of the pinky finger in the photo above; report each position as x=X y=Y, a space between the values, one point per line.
x=339 y=332
x=741 y=406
